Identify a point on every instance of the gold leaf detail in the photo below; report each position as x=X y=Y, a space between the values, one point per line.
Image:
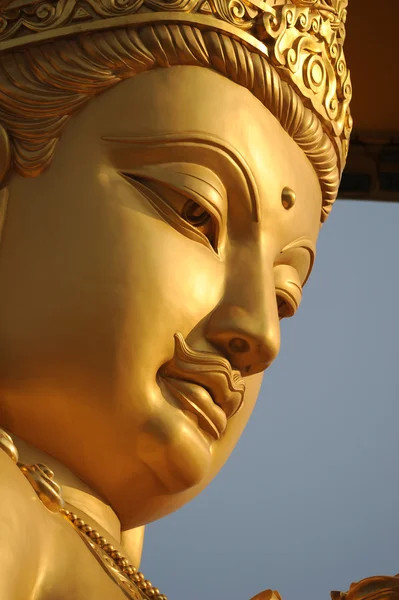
x=41 y=479
x=81 y=13
x=205 y=8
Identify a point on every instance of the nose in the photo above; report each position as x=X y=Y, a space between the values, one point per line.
x=245 y=326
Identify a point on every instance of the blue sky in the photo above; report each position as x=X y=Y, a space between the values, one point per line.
x=308 y=501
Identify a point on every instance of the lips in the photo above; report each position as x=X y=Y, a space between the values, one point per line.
x=197 y=400
x=204 y=385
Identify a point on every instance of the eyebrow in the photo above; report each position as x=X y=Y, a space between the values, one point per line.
x=211 y=141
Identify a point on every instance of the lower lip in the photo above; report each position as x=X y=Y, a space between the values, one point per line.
x=196 y=400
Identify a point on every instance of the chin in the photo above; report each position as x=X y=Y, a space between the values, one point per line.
x=180 y=460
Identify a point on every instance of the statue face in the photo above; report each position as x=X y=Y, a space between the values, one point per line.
x=139 y=277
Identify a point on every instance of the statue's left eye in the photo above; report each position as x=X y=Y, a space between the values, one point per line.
x=183 y=213
x=197 y=216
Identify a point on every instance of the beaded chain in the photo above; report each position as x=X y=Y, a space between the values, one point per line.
x=135 y=576
x=50 y=493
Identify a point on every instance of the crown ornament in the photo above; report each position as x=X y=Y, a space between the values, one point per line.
x=302 y=40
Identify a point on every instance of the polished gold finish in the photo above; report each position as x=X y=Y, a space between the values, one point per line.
x=132 y=581
x=41 y=479
x=288 y=198
x=303 y=42
x=7 y=445
x=372 y=588
x=151 y=243
x=117 y=566
x=267 y=595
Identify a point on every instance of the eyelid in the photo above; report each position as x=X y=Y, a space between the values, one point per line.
x=194 y=181
x=188 y=182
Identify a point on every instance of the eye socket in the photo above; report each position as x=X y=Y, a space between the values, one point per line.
x=186 y=215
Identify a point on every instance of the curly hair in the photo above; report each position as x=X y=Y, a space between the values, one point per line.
x=44 y=85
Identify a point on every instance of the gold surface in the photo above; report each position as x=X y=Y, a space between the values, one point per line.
x=164 y=171
x=302 y=41
x=372 y=588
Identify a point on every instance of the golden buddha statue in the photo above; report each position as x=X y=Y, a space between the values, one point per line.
x=165 y=166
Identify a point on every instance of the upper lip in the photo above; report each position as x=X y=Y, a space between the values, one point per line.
x=212 y=372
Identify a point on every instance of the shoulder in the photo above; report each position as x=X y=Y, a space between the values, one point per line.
x=21 y=539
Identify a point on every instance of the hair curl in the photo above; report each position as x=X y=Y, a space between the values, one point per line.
x=43 y=86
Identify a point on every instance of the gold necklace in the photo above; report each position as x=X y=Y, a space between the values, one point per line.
x=117 y=566
x=131 y=581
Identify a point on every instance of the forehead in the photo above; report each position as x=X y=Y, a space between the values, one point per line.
x=185 y=99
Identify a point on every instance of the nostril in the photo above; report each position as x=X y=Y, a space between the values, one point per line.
x=238 y=345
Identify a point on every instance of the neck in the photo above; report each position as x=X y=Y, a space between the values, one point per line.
x=85 y=502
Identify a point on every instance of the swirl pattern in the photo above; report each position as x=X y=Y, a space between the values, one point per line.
x=302 y=39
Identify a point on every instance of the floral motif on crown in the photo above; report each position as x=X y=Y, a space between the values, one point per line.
x=302 y=38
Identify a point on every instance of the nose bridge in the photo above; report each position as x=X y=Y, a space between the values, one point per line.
x=245 y=325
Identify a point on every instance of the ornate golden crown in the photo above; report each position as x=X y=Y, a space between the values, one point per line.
x=303 y=39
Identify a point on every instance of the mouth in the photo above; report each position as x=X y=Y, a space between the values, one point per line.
x=198 y=402
x=204 y=386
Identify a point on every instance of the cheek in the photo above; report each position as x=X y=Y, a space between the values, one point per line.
x=189 y=277
x=169 y=282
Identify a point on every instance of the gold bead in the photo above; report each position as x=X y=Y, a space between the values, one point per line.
x=150 y=592
x=156 y=591
x=116 y=555
x=137 y=578
x=101 y=541
x=94 y=535
x=72 y=516
x=129 y=570
x=108 y=548
x=123 y=563
x=79 y=523
x=87 y=529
